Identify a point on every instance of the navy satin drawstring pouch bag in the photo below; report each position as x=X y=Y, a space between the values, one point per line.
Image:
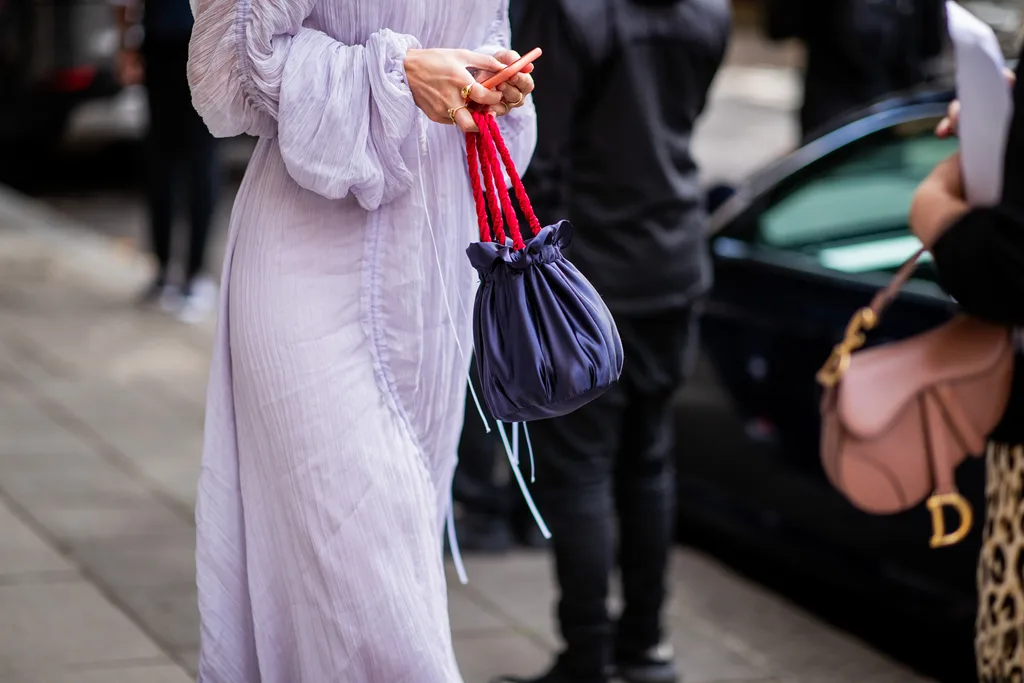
x=544 y=339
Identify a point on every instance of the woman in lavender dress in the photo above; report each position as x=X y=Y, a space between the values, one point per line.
x=339 y=371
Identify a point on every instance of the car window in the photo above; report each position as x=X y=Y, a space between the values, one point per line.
x=850 y=208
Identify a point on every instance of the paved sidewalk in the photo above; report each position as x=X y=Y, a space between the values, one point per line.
x=100 y=431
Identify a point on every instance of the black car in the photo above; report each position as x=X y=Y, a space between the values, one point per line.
x=798 y=249
x=54 y=55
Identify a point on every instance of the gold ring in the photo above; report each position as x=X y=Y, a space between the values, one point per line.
x=452 y=111
x=507 y=108
x=468 y=89
x=519 y=102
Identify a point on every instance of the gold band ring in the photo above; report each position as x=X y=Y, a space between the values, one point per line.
x=466 y=90
x=507 y=107
x=519 y=102
x=452 y=111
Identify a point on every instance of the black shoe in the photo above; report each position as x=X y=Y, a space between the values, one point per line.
x=653 y=666
x=552 y=676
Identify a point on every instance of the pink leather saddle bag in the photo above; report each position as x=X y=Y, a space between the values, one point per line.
x=898 y=419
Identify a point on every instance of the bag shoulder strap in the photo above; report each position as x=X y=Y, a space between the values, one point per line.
x=865 y=319
x=886 y=296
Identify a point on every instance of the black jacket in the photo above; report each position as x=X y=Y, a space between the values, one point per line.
x=619 y=88
x=857 y=50
x=981 y=260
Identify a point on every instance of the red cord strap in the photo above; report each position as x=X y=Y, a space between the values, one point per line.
x=486 y=151
x=517 y=182
x=487 y=142
x=478 y=188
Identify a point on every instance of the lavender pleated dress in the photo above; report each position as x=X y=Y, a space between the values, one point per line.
x=339 y=371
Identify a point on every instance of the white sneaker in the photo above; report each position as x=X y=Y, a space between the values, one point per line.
x=199 y=303
x=163 y=297
x=171 y=299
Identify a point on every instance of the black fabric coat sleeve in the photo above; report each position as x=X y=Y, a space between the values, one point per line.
x=980 y=259
x=560 y=81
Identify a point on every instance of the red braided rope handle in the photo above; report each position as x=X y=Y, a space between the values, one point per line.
x=486 y=142
x=478 y=188
x=486 y=152
x=510 y=167
x=497 y=219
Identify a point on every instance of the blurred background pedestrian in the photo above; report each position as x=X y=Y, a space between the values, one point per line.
x=627 y=80
x=180 y=152
x=857 y=50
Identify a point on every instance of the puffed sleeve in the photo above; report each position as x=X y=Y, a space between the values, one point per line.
x=519 y=126
x=341 y=113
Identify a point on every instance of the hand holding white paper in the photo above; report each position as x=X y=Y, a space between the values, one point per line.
x=985 y=105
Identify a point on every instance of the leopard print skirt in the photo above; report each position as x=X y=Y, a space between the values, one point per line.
x=999 y=640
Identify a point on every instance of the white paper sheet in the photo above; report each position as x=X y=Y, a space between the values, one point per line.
x=986 y=105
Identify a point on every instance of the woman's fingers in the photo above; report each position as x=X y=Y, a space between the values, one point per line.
x=522 y=82
x=507 y=56
x=464 y=120
x=481 y=95
x=947 y=126
x=477 y=60
x=499 y=109
x=510 y=57
x=511 y=95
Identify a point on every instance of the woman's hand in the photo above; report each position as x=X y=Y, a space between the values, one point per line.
x=948 y=125
x=938 y=201
x=514 y=90
x=437 y=78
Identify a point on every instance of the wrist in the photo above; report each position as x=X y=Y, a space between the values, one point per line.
x=934 y=211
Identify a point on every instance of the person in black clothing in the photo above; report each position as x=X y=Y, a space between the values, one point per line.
x=178 y=141
x=627 y=80
x=979 y=254
x=857 y=51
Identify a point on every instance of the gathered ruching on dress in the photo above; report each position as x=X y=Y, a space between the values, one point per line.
x=341 y=113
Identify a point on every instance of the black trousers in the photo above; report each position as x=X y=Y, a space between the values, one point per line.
x=180 y=152
x=605 y=484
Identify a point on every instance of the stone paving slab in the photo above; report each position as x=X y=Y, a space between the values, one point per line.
x=57 y=627
x=100 y=430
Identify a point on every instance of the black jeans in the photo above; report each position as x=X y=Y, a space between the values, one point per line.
x=178 y=142
x=612 y=461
